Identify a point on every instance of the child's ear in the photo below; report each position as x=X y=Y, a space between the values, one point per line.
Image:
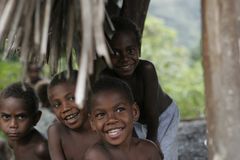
x=91 y=122
x=37 y=117
x=136 y=112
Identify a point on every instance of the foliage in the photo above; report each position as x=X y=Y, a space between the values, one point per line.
x=183 y=16
x=179 y=74
x=10 y=72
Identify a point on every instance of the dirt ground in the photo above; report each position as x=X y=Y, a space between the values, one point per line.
x=192 y=140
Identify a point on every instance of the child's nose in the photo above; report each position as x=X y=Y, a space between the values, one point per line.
x=66 y=107
x=13 y=123
x=124 y=56
x=111 y=119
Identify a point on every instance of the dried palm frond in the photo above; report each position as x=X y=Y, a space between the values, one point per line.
x=44 y=31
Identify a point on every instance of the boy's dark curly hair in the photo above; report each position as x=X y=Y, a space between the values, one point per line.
x=21 y=91
x=63 y=77
x=106 y=83
x=124 y=24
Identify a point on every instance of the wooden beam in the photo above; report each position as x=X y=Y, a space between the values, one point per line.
x=136 y=10
x=221 y=57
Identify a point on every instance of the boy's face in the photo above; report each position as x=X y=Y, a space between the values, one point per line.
x=112 y=116
x=62 y=100
x=15 y=119
x=34 y=73
x=126 y=49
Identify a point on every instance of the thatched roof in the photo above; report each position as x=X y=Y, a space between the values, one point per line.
x=43 y=31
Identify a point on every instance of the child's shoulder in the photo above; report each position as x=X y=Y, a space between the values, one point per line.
x=56 y=128
x=145 y=143
x=41 y=150
x=97 y=151
x=147 y=146
x=40 y=145
x=146 y=70
x=145 y=65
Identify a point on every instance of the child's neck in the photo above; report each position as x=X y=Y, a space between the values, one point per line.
x=23 y=141
x=125 y=147
x=85 y=127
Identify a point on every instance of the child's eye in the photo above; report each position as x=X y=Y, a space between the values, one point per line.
x=56 y=104
x=71 y=98
x=115 y=53
x=5 y=117
x=120 y=109
x=131 y=51
x=100 y=115
x=22 y=117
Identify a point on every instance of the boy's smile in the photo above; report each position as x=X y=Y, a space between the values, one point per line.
x=62 y=100
x=112 y=117
x=15 y=121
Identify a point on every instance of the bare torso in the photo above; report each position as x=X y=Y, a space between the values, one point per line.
x=73 y=144
x=34 y=146
x=138 y=150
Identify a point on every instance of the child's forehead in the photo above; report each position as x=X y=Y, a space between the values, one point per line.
x=61 y=88
x=127 y=37
x=13 y=103
x=110 y=94
x=126 y=33
x=33 y=67
x=108 y=90
x=63 y=85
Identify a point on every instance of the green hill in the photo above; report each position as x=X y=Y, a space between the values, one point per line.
x=184 y=16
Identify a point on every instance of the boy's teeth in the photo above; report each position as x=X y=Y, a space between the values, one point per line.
x=114 y=132
x=125 y=67
x=71 y=116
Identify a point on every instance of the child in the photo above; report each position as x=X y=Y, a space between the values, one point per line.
x=47 y=117
x=159 y=116
x=33 y=73
x=18 y=115
x=112 y=114
x=72 y=135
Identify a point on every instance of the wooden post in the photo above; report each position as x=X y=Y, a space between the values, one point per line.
x=221 y=58
x=136 y=10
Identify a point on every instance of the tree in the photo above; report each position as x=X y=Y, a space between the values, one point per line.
x=179 y=75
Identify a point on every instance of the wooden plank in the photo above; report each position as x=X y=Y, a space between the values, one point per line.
x=221 y=58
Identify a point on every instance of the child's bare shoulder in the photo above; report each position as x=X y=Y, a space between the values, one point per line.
x=146 y=65
x=97 y=152
x=42 y=150
x=56 y=128
x=147 y=146
x=40 y=145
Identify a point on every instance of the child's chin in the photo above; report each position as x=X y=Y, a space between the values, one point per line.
x=74 y=126
x=13 y=138
x=114 y=143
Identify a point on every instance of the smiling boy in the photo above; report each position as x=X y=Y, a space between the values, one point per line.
x=72 y=135
x=18 y=115
x=113 y=112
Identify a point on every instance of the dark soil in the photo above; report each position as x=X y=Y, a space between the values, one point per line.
x=192 y=140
